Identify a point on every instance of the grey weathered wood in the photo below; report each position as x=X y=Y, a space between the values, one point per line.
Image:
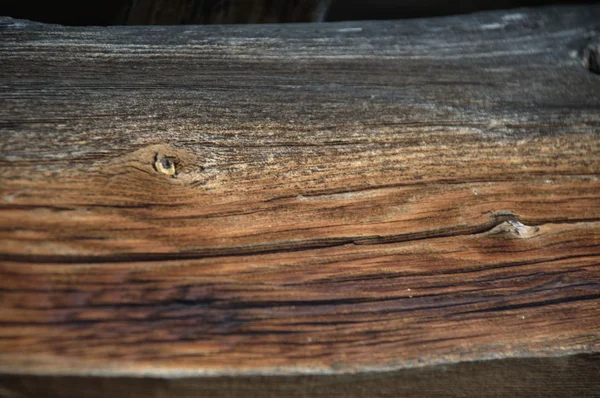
x=347 y=197
x=495 y=73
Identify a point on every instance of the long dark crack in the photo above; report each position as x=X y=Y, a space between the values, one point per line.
x=282 y=247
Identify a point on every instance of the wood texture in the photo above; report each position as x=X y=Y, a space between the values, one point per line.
x=346 y=197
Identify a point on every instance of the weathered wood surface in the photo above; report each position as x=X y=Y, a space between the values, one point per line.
x=347 y=196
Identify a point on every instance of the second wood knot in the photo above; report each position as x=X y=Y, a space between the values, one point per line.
x=515 y=229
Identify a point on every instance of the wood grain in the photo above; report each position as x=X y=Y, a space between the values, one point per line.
x=347 y=197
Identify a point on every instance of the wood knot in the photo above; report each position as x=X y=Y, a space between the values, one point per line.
x=515 y=229
x=164 y=165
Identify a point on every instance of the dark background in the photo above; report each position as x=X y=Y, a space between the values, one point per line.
x=168 y=12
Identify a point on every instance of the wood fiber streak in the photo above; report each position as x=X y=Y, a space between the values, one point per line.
x=347 y=197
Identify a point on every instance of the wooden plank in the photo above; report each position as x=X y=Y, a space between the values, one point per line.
x=299 y=199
